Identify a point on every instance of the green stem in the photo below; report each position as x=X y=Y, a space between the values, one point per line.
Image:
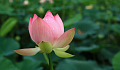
x=50 y=61
x=46 y=58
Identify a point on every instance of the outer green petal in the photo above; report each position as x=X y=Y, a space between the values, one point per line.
x=45 y=47
x=63 y=54
x=63 y=49
x=28 y=52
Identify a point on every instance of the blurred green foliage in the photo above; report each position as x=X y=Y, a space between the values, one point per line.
x=96 y=40
x=116 y=62
x=7 y=26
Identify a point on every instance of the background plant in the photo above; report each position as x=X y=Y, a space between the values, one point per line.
x=95 y=44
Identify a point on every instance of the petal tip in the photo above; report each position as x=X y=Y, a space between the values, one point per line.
x=73 y=28
x=57 y=15
x=48 y=13
x=34 y=18
x=15 y=51
x=35 y=15
x=30 y=18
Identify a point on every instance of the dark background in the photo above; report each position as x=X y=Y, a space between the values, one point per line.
x=96 y=40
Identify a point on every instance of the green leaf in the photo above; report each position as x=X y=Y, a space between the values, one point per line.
x=85 y=28
x=45 y=47
x=116 y=28
x=7 y=45
x=39 y=68
x=7 y=26
x=73 y=20
x=70 y=64
x=28 y=64
x=116 y=61
x=85 y=48
x=63 y=54
x=5 y=9
x=38 y=57
x=107 y=54
x=6 y=64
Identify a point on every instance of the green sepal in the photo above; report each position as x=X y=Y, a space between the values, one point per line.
x=63 y=49
x=45 y=47
x=62 y=54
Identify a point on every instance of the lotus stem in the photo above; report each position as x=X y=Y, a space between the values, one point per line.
x=46 y=58
x=50 y=61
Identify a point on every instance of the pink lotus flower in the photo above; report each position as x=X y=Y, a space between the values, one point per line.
x=48 y=33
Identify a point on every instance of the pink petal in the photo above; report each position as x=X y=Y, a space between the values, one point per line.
x=64 y=39
x=30 y=27
x=41 y=31
x=59 y=21
x=28 y=52
x=30 y=24
x=49 y=14
x=54 y=26
x=34 y=18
